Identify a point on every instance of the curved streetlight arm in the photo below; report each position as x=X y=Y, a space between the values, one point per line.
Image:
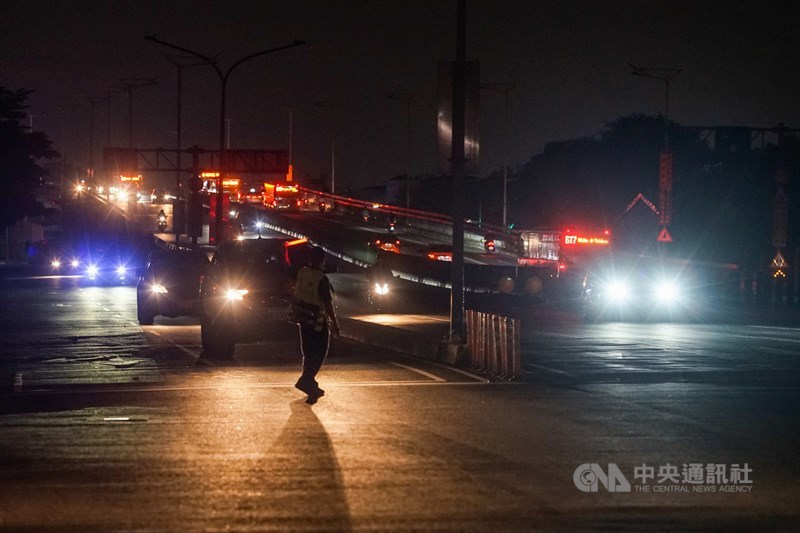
x=210 y=60
x=223 y=78
x=297 y=42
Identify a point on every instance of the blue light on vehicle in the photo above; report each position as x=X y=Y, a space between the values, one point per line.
x=121 y=270
x=91 y=271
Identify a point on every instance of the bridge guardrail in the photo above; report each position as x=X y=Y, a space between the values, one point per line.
x=494 y=344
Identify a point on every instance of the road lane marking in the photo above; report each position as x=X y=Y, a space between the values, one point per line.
x=471 y=375
x=239 y=386
x=548 y=369
x=418 y=371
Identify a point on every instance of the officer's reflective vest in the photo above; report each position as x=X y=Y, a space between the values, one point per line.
x=306 y=292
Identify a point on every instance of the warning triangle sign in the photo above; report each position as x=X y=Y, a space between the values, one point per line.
x=664 y=236
x=779 y=261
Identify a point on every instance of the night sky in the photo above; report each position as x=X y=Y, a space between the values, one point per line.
x=567 y=59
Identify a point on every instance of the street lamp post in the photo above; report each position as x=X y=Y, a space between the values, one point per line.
x=94 y=102
x=128 y=85
x=291 y=135
x=333 y=107
x=504 y=88
x=223 y=78
x=407 y=98
x=177 y=61
x=666 y=75
x=665 y=166
x=290 y=174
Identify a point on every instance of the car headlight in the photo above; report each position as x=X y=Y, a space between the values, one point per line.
x=235 y=294
x=75 y=263
x=157 y=288
x=667 y=291
x=121 y=270
x=55 y=263
x=619 y=291
x=91 y=271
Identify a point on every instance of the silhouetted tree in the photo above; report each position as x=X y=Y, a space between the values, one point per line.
x=20 y=153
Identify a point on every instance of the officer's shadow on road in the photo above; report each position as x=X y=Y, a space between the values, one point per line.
x=303 y=465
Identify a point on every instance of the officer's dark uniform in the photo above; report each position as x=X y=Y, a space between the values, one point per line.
x=313 y=291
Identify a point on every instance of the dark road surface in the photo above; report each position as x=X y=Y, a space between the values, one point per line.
x=108 y=426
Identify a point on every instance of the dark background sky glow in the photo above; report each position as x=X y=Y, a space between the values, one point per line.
x=567 y=58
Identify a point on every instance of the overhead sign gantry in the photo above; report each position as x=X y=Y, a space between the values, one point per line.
x=125 y=161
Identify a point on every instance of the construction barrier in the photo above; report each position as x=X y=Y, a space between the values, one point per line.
x=493 y=344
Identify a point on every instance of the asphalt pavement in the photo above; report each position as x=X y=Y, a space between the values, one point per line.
x=116 y=427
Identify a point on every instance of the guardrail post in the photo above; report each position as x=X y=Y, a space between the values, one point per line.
x=494 y=344
x=504 y=345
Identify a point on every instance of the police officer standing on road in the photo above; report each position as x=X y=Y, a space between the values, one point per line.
x=315 y=315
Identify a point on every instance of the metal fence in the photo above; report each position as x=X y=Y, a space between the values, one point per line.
x=493 y=344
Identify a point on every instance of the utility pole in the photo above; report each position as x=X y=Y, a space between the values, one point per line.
x=665 y=163
x=223 y=79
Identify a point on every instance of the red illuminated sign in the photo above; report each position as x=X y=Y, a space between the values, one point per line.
x=577 y=239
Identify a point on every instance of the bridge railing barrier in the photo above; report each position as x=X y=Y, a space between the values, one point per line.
x=494 y=344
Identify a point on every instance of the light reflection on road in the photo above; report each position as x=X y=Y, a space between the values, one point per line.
x=663 y=352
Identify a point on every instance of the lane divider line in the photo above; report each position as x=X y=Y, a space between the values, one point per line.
x=287 y=385
x=418 y=371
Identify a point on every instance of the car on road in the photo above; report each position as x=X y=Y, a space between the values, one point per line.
x=56 y=256
x=440 y=252
x=253 y=195
x=159 y=196
x=385 y=242
x=246 y=293
x=110 y=263
x=643 y=289
x=170 y=284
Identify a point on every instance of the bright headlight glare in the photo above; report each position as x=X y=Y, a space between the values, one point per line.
x=121 y=270
x=91 y=270
x=55 y=263
x=381 y=288
x=235 y=294
x=75 y=263
x=667 y=291
x=618 y=291
x=157 y=288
